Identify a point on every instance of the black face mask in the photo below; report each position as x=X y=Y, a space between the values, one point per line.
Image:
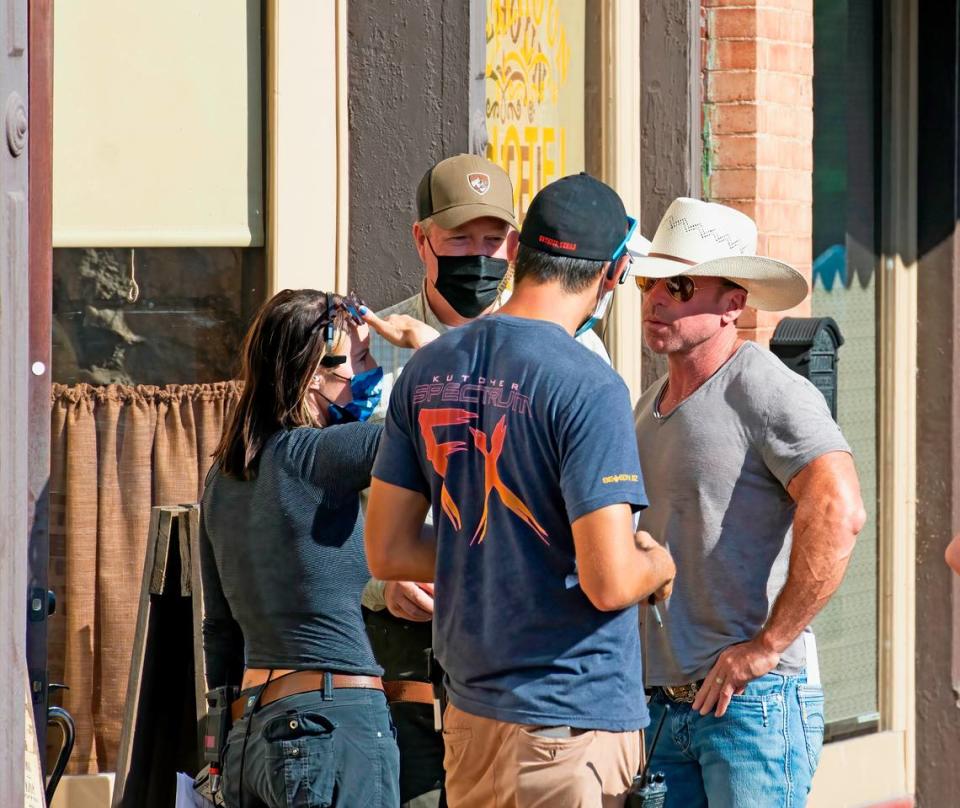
x=469 y=283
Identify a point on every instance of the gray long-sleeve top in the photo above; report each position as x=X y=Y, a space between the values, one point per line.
x=282 y=557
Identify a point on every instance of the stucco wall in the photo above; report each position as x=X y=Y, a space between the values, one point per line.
x=938 y=406
x=671 y=128
x=409 y=108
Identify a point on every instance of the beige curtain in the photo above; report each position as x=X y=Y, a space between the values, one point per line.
x=115 y=452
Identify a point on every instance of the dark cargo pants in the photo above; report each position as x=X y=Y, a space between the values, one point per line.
x=401 y=647
x=304 y=751
x=421 y=755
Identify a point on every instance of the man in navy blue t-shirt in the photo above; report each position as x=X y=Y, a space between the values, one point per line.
x=521 y=440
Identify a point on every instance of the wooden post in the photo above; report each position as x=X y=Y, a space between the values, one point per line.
x=41 y=284
x=14 y=396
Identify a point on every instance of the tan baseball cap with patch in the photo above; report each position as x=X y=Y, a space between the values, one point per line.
x=462 y=188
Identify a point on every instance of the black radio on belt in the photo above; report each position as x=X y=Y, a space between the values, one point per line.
x=218 y=722
x=435 y=672
x=217 y=725
x=649 y=789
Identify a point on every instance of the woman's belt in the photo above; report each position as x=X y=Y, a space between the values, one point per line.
x=291 y=684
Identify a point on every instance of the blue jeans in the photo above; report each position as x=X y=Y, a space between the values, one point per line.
x=306 y=752
x=761 y=754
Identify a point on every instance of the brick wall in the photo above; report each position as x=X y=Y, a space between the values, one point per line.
x=758 y=127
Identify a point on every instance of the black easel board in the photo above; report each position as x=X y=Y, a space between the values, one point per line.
x=160 y=734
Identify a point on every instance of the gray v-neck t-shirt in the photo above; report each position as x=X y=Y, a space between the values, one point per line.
x=716 y=469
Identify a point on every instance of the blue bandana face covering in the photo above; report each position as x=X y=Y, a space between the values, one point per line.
x=366 y=389
x=601 y=308
x=598 y=312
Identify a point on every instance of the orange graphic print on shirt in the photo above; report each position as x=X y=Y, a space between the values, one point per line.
x=439 y=454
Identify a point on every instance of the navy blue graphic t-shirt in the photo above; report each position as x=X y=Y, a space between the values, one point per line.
x=513 y=431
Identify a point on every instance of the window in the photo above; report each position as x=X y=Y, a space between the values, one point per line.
x=846 y=156
x=185 y=326
x=535 y=55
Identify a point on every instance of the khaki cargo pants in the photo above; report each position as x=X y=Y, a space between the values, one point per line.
x=494 y=764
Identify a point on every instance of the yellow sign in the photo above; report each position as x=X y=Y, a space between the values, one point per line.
x=535 y=91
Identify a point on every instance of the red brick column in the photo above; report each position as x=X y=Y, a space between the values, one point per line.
x=758 y=127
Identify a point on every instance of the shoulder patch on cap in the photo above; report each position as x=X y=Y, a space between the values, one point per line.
x=479 y=181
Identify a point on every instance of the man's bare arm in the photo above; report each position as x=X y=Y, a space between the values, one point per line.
x=618 y=568
x=405 y=599
x=828 y=518
x=396 y=548
x=408 y=600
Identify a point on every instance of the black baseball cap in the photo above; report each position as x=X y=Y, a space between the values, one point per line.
x=576 y=216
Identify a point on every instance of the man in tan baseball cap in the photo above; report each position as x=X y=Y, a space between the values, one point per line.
x=462 y=188
x=466 y=237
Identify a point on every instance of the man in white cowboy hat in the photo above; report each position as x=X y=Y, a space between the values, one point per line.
x=754 y=492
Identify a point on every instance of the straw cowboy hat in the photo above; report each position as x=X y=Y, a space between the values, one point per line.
x=703 y=238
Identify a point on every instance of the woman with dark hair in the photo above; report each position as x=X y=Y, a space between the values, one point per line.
x=283 y=565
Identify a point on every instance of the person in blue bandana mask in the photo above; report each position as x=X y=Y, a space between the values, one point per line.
x=365 y=388
x=283 y=565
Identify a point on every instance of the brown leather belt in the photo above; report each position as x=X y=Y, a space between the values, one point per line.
x=419 y=692
x=301 y=682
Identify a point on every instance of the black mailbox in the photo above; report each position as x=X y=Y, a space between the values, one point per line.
x=809 y=346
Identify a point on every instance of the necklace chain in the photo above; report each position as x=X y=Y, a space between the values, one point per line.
x=661 y=396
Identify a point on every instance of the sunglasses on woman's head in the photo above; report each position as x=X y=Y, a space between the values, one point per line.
x=348 y=308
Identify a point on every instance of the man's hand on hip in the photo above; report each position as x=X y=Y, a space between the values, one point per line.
x=734 y=669
x=409 y=601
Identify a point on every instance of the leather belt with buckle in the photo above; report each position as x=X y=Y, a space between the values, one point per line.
x=290 y=684
x=406 y=690
x=683 y=694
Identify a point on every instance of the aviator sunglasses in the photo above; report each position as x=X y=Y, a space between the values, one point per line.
x=680 y=287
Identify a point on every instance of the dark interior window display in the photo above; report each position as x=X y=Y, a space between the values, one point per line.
x=846 y=236
x=152 y=315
